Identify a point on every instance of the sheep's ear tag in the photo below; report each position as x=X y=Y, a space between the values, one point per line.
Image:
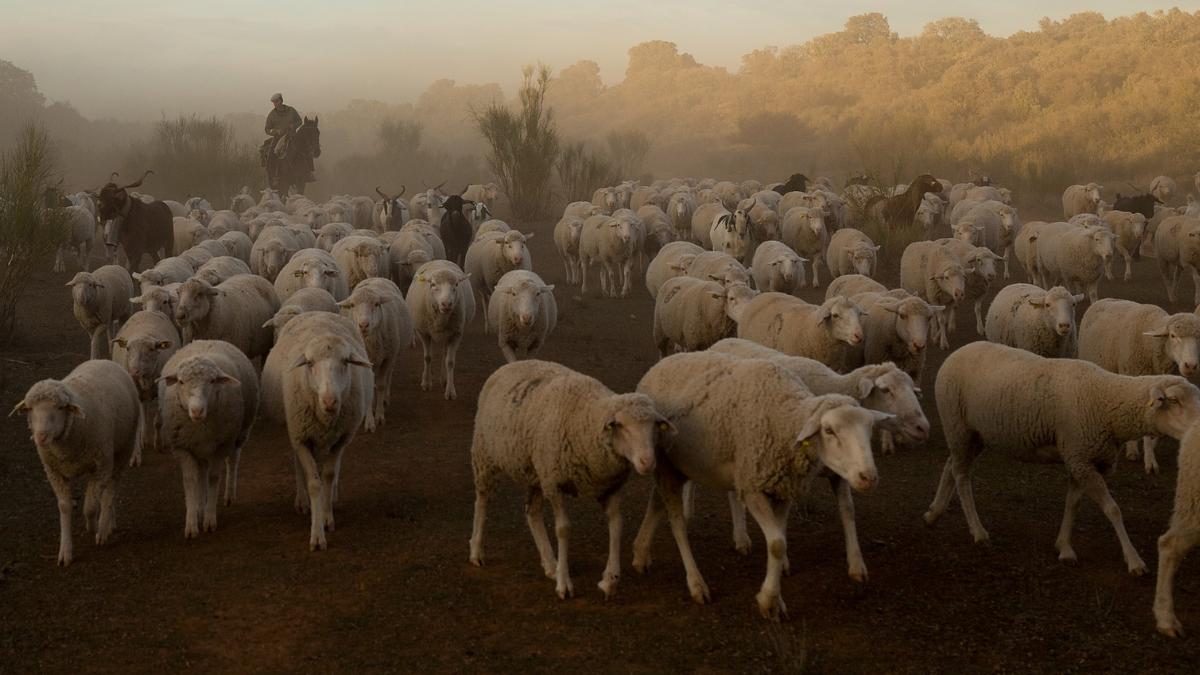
x=75 y=410
x=164 y=344
x=804 y=444
x=298 y=273
x=121 y=342
x=19 y=408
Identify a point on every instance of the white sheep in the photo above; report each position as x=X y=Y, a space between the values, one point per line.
x=524 y=312
x=146 y=341
x=673 y=260
x=1177 y=247
x=794 y=327
x=188 y=233
x=208 y=399
x=1130 y=229
x=273 y=248
x=491 y=257
x=680 y=209
x=82 y=235
x=1025 y=249
x=361 y=257
x=982 y=262
x=659 y=231
x=234 y=311
x=318 y=381
x=311 y=268
x=161 y=299
x=1130 y=338
x=1076 y=257
x=803 y=229
x=566 y=239
x=1039 y=321
x=377 y=307
x=303 y=300
x=1078 y=199
x=85 y=424
x=719 y=267
x=493 y=225
x=933 y=273
x=331 y=234
x=101 y=303
x=442 y=303
x=172 y=270
x=896 y=329
x=220 y=268
x=1000 y=225
x=747 y=426
x=1182 y=534
x=851 y=252
x=559 y=432
x=853 y=284
x=238 y=245
x=612 y=242
x=1163 y=187
x=702 y=222
x=1050 y=410
x=693 y=313
x=777 y=268
x=221 y=223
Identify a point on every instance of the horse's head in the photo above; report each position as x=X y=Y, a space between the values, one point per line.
x=310 y=135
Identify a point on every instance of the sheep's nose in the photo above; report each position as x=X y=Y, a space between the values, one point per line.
x=917 y=347
x=645 y=465
x=1064 y=328
x=197 y=414
x=41 y=437
x=363 y=326
x=958 y=295
x=329 y=403
x=857 y=338
x=526 y=319
x=866 y=480
x=1188 y=369
x=922 y=431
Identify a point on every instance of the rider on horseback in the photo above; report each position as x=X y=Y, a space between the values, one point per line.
x=282 y=122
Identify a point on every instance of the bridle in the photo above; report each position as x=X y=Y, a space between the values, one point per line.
x=311 y=148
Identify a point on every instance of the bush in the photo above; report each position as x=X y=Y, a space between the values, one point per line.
x=524 y=146
x=399 y=162
x=197 y=157
x=581 y=173
x=30 y=232
x=628 y=149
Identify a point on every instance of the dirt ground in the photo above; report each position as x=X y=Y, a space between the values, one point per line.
x=396 y=593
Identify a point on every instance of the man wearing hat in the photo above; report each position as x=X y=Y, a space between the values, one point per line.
x=281 y=121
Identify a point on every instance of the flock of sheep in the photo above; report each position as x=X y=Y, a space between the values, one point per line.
x=300 y=310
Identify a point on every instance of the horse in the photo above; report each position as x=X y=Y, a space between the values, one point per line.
x=293 y=169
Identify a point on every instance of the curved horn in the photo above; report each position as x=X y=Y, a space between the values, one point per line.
x=401 y=194
x=465 y=188
x=423 y=183
x=138 y=182
x=113 y=178
x=443 y=183
x=385 y=197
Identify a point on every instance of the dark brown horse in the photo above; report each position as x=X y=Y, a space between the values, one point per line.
x=294 y=169
x=138 y=227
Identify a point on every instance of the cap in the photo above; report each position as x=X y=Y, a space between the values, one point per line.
x=276 y=97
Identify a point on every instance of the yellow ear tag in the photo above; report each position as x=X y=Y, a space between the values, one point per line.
x=298 y=273
x=1150 y=404
x=804 y=443
x=421 y=278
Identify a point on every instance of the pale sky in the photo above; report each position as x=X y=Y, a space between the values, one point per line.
x=137 y=59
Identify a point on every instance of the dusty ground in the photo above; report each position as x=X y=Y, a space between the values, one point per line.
x=395 y=592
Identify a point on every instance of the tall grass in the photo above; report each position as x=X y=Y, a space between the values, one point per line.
x=628 y=149
x=30 y=232
x=581 y=173
x=194 y=156
x=524 y=146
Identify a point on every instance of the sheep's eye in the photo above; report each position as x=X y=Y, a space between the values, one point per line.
x=662 y=426
x=1173 y=401
x=884 y=390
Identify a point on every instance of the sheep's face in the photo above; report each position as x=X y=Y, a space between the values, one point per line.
x=326 y=368
x=280 y=321
x=634 y=437
x=736 y=295
x=408 y=267
x=1102 y=243
x=952 y=280
x=983 y=261
x=1138 y=226
x=274 y=256
x=1093 y=193
x=156 y=299
x=624 y=230
x=912 y=321
x=210 y=276
x=1058 y=309
x=612 y=202
x=195 y=301
x=926 y=215
x=196 y=386
x=526 y=301
x=842 y=436
x=366 y=309
x=1181 y=342
x=767 y=226
x=85 y=289
x=149 y=278
x=862 y=258
x=893 y=392
x=317 y=274
x=574 y=233
x=1008 y=218
x=816 y=221
x=52 y=409
x=198 y=215
x=788 y=269
x=1175 y=404
x=514 y=251
x=966 y=230
x=443 y=289
x=367 y=253
x=842 y=317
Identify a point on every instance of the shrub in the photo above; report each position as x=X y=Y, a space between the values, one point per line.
x=197 y=157
x=581 y=172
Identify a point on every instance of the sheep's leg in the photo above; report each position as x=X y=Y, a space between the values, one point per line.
x=562 y=529
x=944 y=493
x=1128 y=265
x=670 y=489
x=952 y=321
x=887 y=443
x=108 y=509
x=510 y=355
x=612 y=571
x=567 y=266
x=98 y=340
x=91 y=507
x=383 y=385
x=1006 y=251
x=854 y=558
x=62 y=492
x=1074 y=493
x=212 y=476
x=534 y=506
x=312 y=479
x=1196 y=283
x=1094 y=487
x=767 y=513
x=1151 y=443
x=301 y=486
x=815 y=265
x=1132 y=451
x=966 y=497
x=1175 y=271
x=645 y=536
x=943 y=321
x=627 y=272
x=741 y=538
x=1093 y=291
x=1171 y=548
x=427 y=374
x=451 y=350
x=330 y=469
x=583 y=265
x=483 y=493
x=979 y=315
x=487 y=327
x=231 y=470
x=191 y=493
x=145 y=413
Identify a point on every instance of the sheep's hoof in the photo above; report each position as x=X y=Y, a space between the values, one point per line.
x=609 y=586
x=566 y=590
x=477 y=560
x=210 y=526
x=191 y=532
x=1137 y=568
x=983 y=539
x=316 y=544
x=1172 y=629
x=931 y=517
x=1152 y=467
x=859 y=575
x=742 y=547
x=699 y=591
x=641 y=563
x=64 y=559
x=771 y=607
x=136 y=460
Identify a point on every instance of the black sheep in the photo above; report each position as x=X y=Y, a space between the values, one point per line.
x=1143 y=204
x=455 y=229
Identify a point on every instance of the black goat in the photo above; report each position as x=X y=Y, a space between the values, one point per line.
x=1143 y=204
x=797 y=183
x=455 y=229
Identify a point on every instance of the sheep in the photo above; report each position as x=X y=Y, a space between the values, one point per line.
x=560 y=432
x=1163 y=188
x=985 y=193
x=777 y=268
x=360 y=258
x=693 y=314
x=491 y=258
x=719 y=267
x=1078 y=199
x=161 y=299
x=851 y=252
x=930 y=215
x=85 y=423
x=144 y=344
x=1000 y=225
x=566 y=239
x=853 y=284
x=1130 y=229
x=1077 y=257
x=1129 y=338
x=673 y=260
x=1176 y=247
x=311 y=268
x=658 y=231
x=983 y=263
x=331 y=234
x=167 y=271
x=804 y=231
x=1182 y=534
x=208 y=399
x=271 y=251
x=442 y=303
x=680 y=209
x=1025 y=249
x=896 y=329
x=82 y=235
x=524 y=312
x=796 y=328
x=644 y=196
x=492 y=225
x=583 y=210
x=933 y=273
x=224 y=222
x=318 y=381
x=233 y=311
x=303 y=300
x=101 y=303
x=702 y=223
x=430 y=234
x=1051 y=410
x=748 y=426
x=378 y=309
x=238 y=245
x=1041 y=322
x=612 y=242
x=188 y=233
x=219 y=269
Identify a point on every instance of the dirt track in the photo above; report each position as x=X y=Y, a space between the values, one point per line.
x=395 y=592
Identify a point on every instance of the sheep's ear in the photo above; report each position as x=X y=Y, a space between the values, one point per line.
x=811 y=428
x=530 y=235
x=19 y=409
x=1157 y=397
x=1038 y=301
x=893 y=307
x=664 y=424
x=1077 y=298
x=270 y=323
x=215 y=291
x=137 y=275
x=296 y=363
x=969 y=270
x=169 y=380
x=877 y=416
x=356 y=360
x=546 y=289
x=825 y=313
x=75 y=410
x=137 y=300
x=1159 y=332
x=332 y=273
x=120 y=342
x=227 y=379
x=345 y=304
x=878 y=247
x=865 y=387
x=715 y=277
x=937 y=308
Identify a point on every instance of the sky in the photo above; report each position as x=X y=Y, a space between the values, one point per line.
x=140 y=59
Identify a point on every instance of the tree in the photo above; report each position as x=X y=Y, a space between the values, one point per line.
x=195 y=156
x=20 y=100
